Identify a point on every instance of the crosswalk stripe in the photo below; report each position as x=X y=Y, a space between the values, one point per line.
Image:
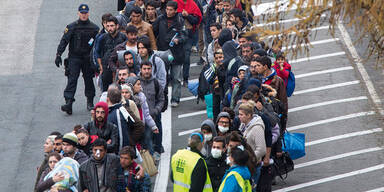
x=191 y=114
x=323 y=72
x=332 y=178
x=338 y=137
x=381 y=189
x=188 y=131
x=317 y=57
x=340 y=156
x=313 y=43
x=326 y=87
x=327 y=103
x=330 y=120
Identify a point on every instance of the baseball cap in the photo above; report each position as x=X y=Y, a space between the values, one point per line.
x=83 y=8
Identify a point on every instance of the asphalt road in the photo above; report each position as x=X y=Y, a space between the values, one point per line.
x=344 y=145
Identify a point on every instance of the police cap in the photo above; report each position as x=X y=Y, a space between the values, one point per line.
x=83 y=8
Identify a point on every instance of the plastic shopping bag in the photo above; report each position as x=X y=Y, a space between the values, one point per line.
x=209 y=102
x=294 y=144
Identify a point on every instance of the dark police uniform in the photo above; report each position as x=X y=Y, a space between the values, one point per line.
x=80 y=35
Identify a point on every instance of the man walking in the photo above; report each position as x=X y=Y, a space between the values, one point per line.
x=80 y=36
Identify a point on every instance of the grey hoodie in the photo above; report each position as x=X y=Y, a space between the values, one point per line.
x=206 y=151
x=254 y=133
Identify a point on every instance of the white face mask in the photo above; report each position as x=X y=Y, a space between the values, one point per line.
x=223 y=129
x=216 y=153
x=228 y=161
x=207 y=137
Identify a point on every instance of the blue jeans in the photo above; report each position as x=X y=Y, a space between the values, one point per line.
x=148 y=139
x=187 y=59
x=176 y=82
x=256 y=175
x=158 y=138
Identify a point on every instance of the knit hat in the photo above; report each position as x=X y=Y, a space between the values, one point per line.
x=70 y=138
x=222 y=114
x=242 y=68
x=260 y=52
x=131 y=81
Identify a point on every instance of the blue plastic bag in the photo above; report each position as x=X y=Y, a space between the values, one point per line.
x=209 y=102
x=294 y=144
x=290 y=84
x=193 y=86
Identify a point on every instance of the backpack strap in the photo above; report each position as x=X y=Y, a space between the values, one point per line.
x=154 y=63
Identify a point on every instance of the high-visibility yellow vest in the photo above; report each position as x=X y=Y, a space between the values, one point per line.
x=183 y=162
x=245 y=185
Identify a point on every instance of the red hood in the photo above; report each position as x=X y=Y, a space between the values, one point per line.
x=103 y=105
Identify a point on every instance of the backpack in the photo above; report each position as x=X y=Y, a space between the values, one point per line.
x=290 y=83
x=204 y=87
x=165 y=91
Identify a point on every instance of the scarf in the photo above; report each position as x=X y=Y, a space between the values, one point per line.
x=268 y=79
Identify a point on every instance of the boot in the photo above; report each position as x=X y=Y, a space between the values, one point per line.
x=67 y=107
x=90 y=105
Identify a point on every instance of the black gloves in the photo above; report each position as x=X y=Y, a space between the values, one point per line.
x=58 y=61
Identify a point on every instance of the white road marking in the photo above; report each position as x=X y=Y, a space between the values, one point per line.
x=317 y=57
x=344 y=136
x=381 y=189
x=283 y=21
x=188 y=132
x=265 y=8
x=326 y=87
x=331 y=158
x=330 y=120
x=163 y=175
x=327 y=103
x=332 y=178
x=323 y=72
x=313 y=29
x=360 y=67
x=187 y=98
x=191 y=114
x=314 y=43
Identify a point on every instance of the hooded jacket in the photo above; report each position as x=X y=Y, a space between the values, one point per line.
x=158 y=69
x=229 y=51
x=206 y=151
x=117 y=58
x=155 y=99
x=225 y=35
x=216 y=169
x=106 y=131
x=220 y=115
x=231 y=184
x=254 y=133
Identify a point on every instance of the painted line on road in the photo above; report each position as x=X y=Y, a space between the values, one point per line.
x=283 y=21
x=327 y=103
x=326 y=87
x=344 y=136
x=360 y=67
x=330 y=120
x=340 y=156
x=323 y=72
x=314 y=43
x=163 y=173
x=187 y=132
x=332 y=178
x=187 y=98
x=317 y=57
x=292 y=33
x=381 y=189
x=191 y=114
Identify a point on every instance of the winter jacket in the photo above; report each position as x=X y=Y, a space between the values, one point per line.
x=216 y=170
x=158 y=69
x=128 y=180
x=41 y=169
x=115 y=61
x=278 y=84
x=164 y=35
x=87 y=148
x=145 y=28
x=45 y=185
x=80 y=156
x=254 y=133
x=229 y=51
x=231 y=184
x=108 y=131
x=147 y=118
x=282 y=73
x=106 y=45
x=155 y=97
x=206 y=151
x=88 y=178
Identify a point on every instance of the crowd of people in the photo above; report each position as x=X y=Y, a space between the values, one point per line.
x=135 y=56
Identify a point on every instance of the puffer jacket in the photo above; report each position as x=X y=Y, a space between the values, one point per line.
x=88 y=173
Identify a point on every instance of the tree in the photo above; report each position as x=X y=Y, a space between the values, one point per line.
x=366 y=17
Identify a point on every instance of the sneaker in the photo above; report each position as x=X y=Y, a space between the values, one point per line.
x=174 y=104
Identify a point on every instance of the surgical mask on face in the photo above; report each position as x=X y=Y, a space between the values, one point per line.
x=207 y=137
x=228 y=161
x=223 y=129
x=216 y=153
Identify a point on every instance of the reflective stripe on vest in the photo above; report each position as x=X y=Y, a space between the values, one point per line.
x=245 y=185
x=183 y=163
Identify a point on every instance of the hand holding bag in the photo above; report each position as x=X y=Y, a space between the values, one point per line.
x=148 y=163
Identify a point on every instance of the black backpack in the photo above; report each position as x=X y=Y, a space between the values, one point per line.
x=204 y=87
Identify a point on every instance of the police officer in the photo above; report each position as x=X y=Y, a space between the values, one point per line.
x=80 y=35
x=189 y=171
